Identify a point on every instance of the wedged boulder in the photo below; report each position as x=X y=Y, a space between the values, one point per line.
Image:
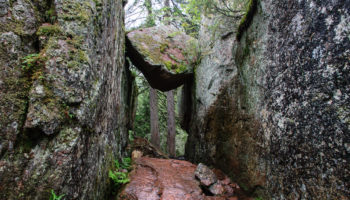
x=163 y=54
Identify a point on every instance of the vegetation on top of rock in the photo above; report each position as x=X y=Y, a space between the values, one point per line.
x=32 y=65
x=48 y=30
x=167 y=46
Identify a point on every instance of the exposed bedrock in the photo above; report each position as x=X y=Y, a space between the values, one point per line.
x=163 y=54
x=65 y=97
x=272 y=109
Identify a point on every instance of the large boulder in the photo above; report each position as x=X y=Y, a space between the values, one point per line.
x=65 y=97
x=163 y=54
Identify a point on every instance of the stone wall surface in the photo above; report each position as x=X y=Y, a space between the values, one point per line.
x=272 y=109
x=65 y=97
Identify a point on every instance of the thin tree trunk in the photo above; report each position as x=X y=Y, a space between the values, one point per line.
x=171 y=124
x=153 y=101
x=170 y=105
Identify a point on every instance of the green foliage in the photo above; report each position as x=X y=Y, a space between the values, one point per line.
x=55 y=197
x=150 y=20
x=120 y=175
x=258 y=198
x=48 y=30
x=168 y=64
x=193 y=10
x=126 y=163
x=181 y=68
x=30 y=61
x=131 y=136
x=142 y=117
x=50 y=15
x=32 y=65
x=163 y=47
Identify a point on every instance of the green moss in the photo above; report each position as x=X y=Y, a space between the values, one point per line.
x=98 y=3
x=176 y=65
x=75 y=11
x=76 y=41
x=82 y=57
x=168 y=65
x=163 y=47
x=49 y=30
x=148 y=41
x=247 y=18
x=50 y=14
x=32 y=65
x=13 y=26
x=173 y=34
x=181 y=68
x=73 y=64
x=174 y=58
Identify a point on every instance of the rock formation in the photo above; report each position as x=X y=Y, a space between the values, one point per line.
x=65 y=97
x=163 y=54
x=271 y=107
x=268 y=105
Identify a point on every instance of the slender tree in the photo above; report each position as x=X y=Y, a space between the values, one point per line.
x=170 y=101
x=153 y=101
x=155 y=139
x=171 y=124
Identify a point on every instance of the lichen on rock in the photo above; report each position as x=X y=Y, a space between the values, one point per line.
x=165 y=59
x=64 y=112
x=270 y=109
x=165 y=45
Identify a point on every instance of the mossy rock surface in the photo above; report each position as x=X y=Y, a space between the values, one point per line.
x=166 y=46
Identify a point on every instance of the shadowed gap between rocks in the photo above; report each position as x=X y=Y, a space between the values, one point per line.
x=156 y=75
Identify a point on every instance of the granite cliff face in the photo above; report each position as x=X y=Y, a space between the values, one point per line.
x=65 y=97
x=272 y=108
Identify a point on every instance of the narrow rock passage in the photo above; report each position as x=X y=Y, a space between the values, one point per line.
x=169 y=179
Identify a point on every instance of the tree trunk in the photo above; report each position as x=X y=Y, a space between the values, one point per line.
x=170 y=105
x=153 y=101
x=171 y=123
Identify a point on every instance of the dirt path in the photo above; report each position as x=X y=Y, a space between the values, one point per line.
x=168 y=179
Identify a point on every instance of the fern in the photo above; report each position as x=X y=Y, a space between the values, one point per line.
x=55 y=197
x=126 y=163
x=29 y=61
x=120 y=175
